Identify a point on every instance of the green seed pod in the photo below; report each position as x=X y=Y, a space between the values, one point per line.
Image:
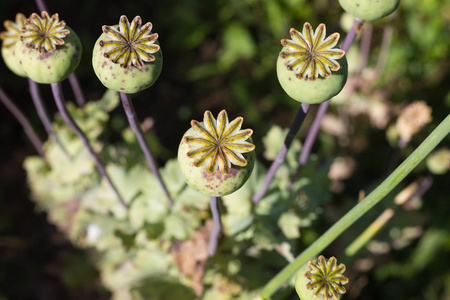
x=309 y=69
x=321 y=279
x=126 y=57
x=49 y=50
x=10 y=39
x=369 y=10
x=216 y=157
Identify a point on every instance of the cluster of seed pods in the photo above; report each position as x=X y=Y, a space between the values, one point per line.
x=216 y=156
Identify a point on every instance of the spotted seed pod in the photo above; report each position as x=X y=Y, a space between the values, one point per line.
x=127 y=57
x=10 y=38
x=48 y=51
x=369 y=10
x=321 y=279
x=216 y=157
x=309 y=68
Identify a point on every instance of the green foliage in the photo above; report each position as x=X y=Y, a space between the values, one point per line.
x=135 y=246
x=222 y=54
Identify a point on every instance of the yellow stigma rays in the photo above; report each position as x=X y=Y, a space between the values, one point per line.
x=326 y=278
x=44 y=33
x=310 y=54
x=130 y=44
x=217 y=144
x=13 y=30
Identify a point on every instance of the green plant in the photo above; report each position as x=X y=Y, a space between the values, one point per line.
x=265 y=221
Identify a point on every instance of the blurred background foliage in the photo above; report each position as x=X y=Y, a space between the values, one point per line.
x=221 y=54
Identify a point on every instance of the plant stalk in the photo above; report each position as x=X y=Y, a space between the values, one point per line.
x=42 y=113
x=295 y=127
x=77 y=91
x=59 y=98
x=20 y=117
x=384 y=218
x=361 y=208
x=134 y=124
x=217 y=228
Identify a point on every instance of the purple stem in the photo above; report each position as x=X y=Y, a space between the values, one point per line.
x=134 y=124
x=59 y=98
x=310 y=138
x=357 y=24
x=295 y=126
x=78 y=92
x=17 y=113
x=323 y=107
x=42 y=113
x=217 y=228
x=41 y=5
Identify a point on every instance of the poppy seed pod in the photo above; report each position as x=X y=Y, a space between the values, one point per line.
x=216 y=157
x=369 y=10
x=49 y=50
x=321 y=279
x=10 y=39
x=126 y=57
x=309 y=68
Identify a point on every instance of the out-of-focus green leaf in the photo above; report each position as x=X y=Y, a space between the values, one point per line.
x=289 y=223
x=238 y=43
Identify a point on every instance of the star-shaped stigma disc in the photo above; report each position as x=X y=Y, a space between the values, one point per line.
x=11 y=36
x=326 y=278
x=216 y=144
x=130 y=44
x=44 y=33
x=310 y=54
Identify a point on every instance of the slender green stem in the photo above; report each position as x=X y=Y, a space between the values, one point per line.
x=361 y=208
x=384 y=218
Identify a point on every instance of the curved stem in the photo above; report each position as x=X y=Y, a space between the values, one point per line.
x=42 y=113
x=134 y=124
x=77 y=91
x=295 y=126
x=361 y=208
x=217 y=228
x=20 y=117
x=59 y=98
